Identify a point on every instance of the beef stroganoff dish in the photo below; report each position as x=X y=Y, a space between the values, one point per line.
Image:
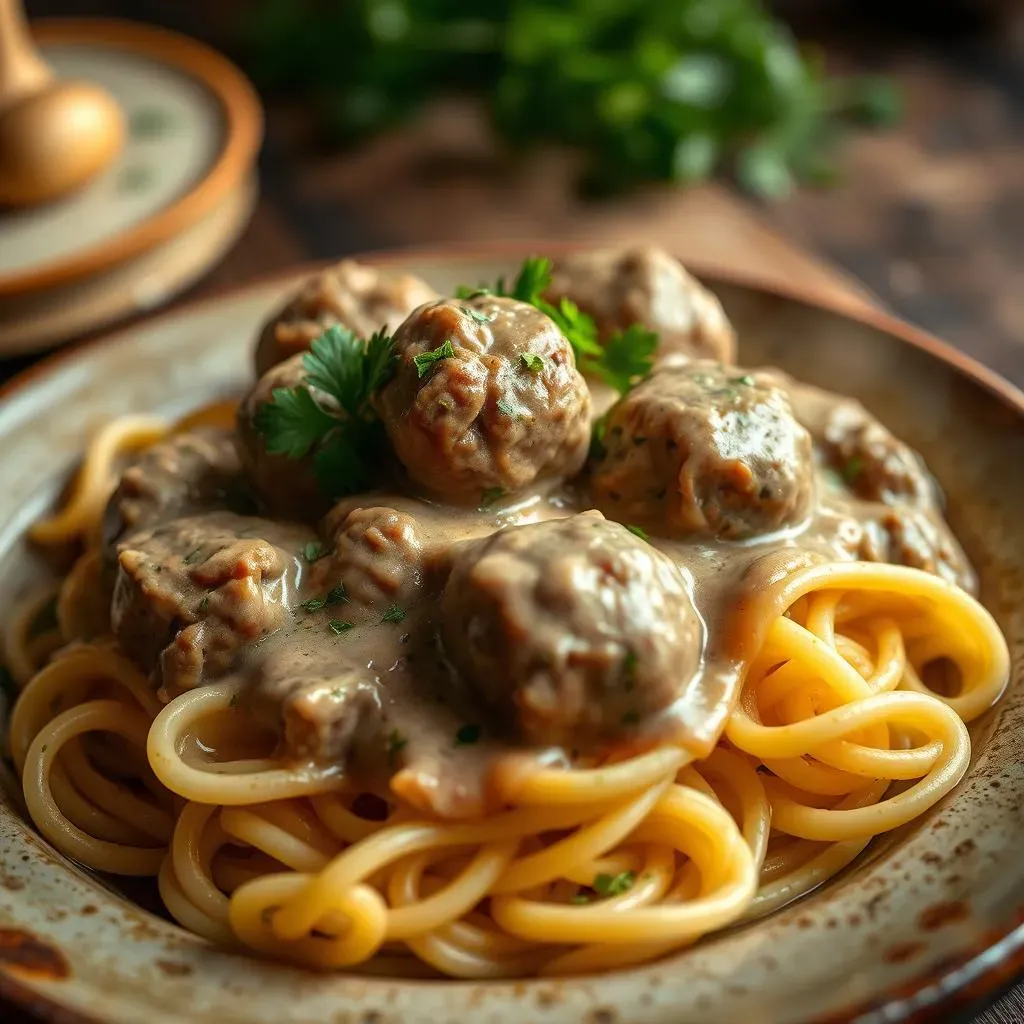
x=517 y=632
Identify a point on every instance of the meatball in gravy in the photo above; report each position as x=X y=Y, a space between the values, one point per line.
x=706 y=450
x=179 y=476
x=361 y=298
x=505 y=410
x=647 y=286
x=286 y=486
x=576 y=628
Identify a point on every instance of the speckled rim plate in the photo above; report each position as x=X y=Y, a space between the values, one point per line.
x=926 y=921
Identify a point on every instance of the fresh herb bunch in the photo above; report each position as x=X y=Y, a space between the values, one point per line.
x=625 y=358
x=648 y=90
x=329 y=414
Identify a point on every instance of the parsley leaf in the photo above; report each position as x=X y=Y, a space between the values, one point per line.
x=396 y=742
x=379 y=363
x=532 y=280
x=314 y=604
x=629 y=667
x=347 y=458
x=510 y=409
x=579 y=328
x=204 y=604
x=480 y=318
x=337 y=594
x=292 y=422
x=465 y=292
x=637 y=531
x=580 y=898
x=313 y=551
x=334 y=365
x=425 y=360
x=533 y=362
x=490 y=496
x=467 y=734
x=338 y=626
x=329 y=413
x=615 y=885
x=393 y=614
x=852 y=469
x=626 y=358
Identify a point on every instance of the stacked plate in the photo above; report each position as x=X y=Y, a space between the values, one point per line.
x=172 y=204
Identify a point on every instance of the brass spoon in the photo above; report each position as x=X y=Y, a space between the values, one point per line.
x=54 y=135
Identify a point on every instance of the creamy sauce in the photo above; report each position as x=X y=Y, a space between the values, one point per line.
x=348 y=633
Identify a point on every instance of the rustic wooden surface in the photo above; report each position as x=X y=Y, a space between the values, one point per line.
x=929 y=220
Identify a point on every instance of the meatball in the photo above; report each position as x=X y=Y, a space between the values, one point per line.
x=645 y=285
x=874 y=464
x=574 y=627
x=706 y=450
x=908 y=536
x=182 y=475
x=363 y=299
x=507 y=408
x=287 y=486
x=377 y=552
x=192 y=592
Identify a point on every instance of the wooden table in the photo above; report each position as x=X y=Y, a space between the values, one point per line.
x=930 y=221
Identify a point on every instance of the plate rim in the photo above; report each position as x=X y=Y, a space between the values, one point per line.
x=243 y=133
x=973 y=971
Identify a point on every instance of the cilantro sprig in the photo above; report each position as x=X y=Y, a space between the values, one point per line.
x=624 y=359
x=329 y=413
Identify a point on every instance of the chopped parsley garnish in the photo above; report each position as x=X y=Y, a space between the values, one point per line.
x=314 y=604
x=336 y=594
x=627 y=356
x=598 y=450
x=394 y=614
x=467 y=735
x=236 y=700
x=204 y=604
x=329 y=415
x=510 y=409
x=193 y=556
x=629 y=666
x=614 y=885
x=853 y=469
x=313 y=551
x=637 y=531
x=396 y=741
x=425 y=360
x=490 y=496
x=746 y=380
x=631 y=718
x=606 y=885
x=338 y=626
x=533 y=362
x=480 y=318
x=465 y=292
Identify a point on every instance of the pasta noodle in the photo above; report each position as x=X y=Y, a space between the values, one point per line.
x=836 y=738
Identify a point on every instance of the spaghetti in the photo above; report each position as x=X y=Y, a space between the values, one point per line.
x=711 y=634
x=836 y=738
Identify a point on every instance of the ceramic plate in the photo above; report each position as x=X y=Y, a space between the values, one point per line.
x=928 y=918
